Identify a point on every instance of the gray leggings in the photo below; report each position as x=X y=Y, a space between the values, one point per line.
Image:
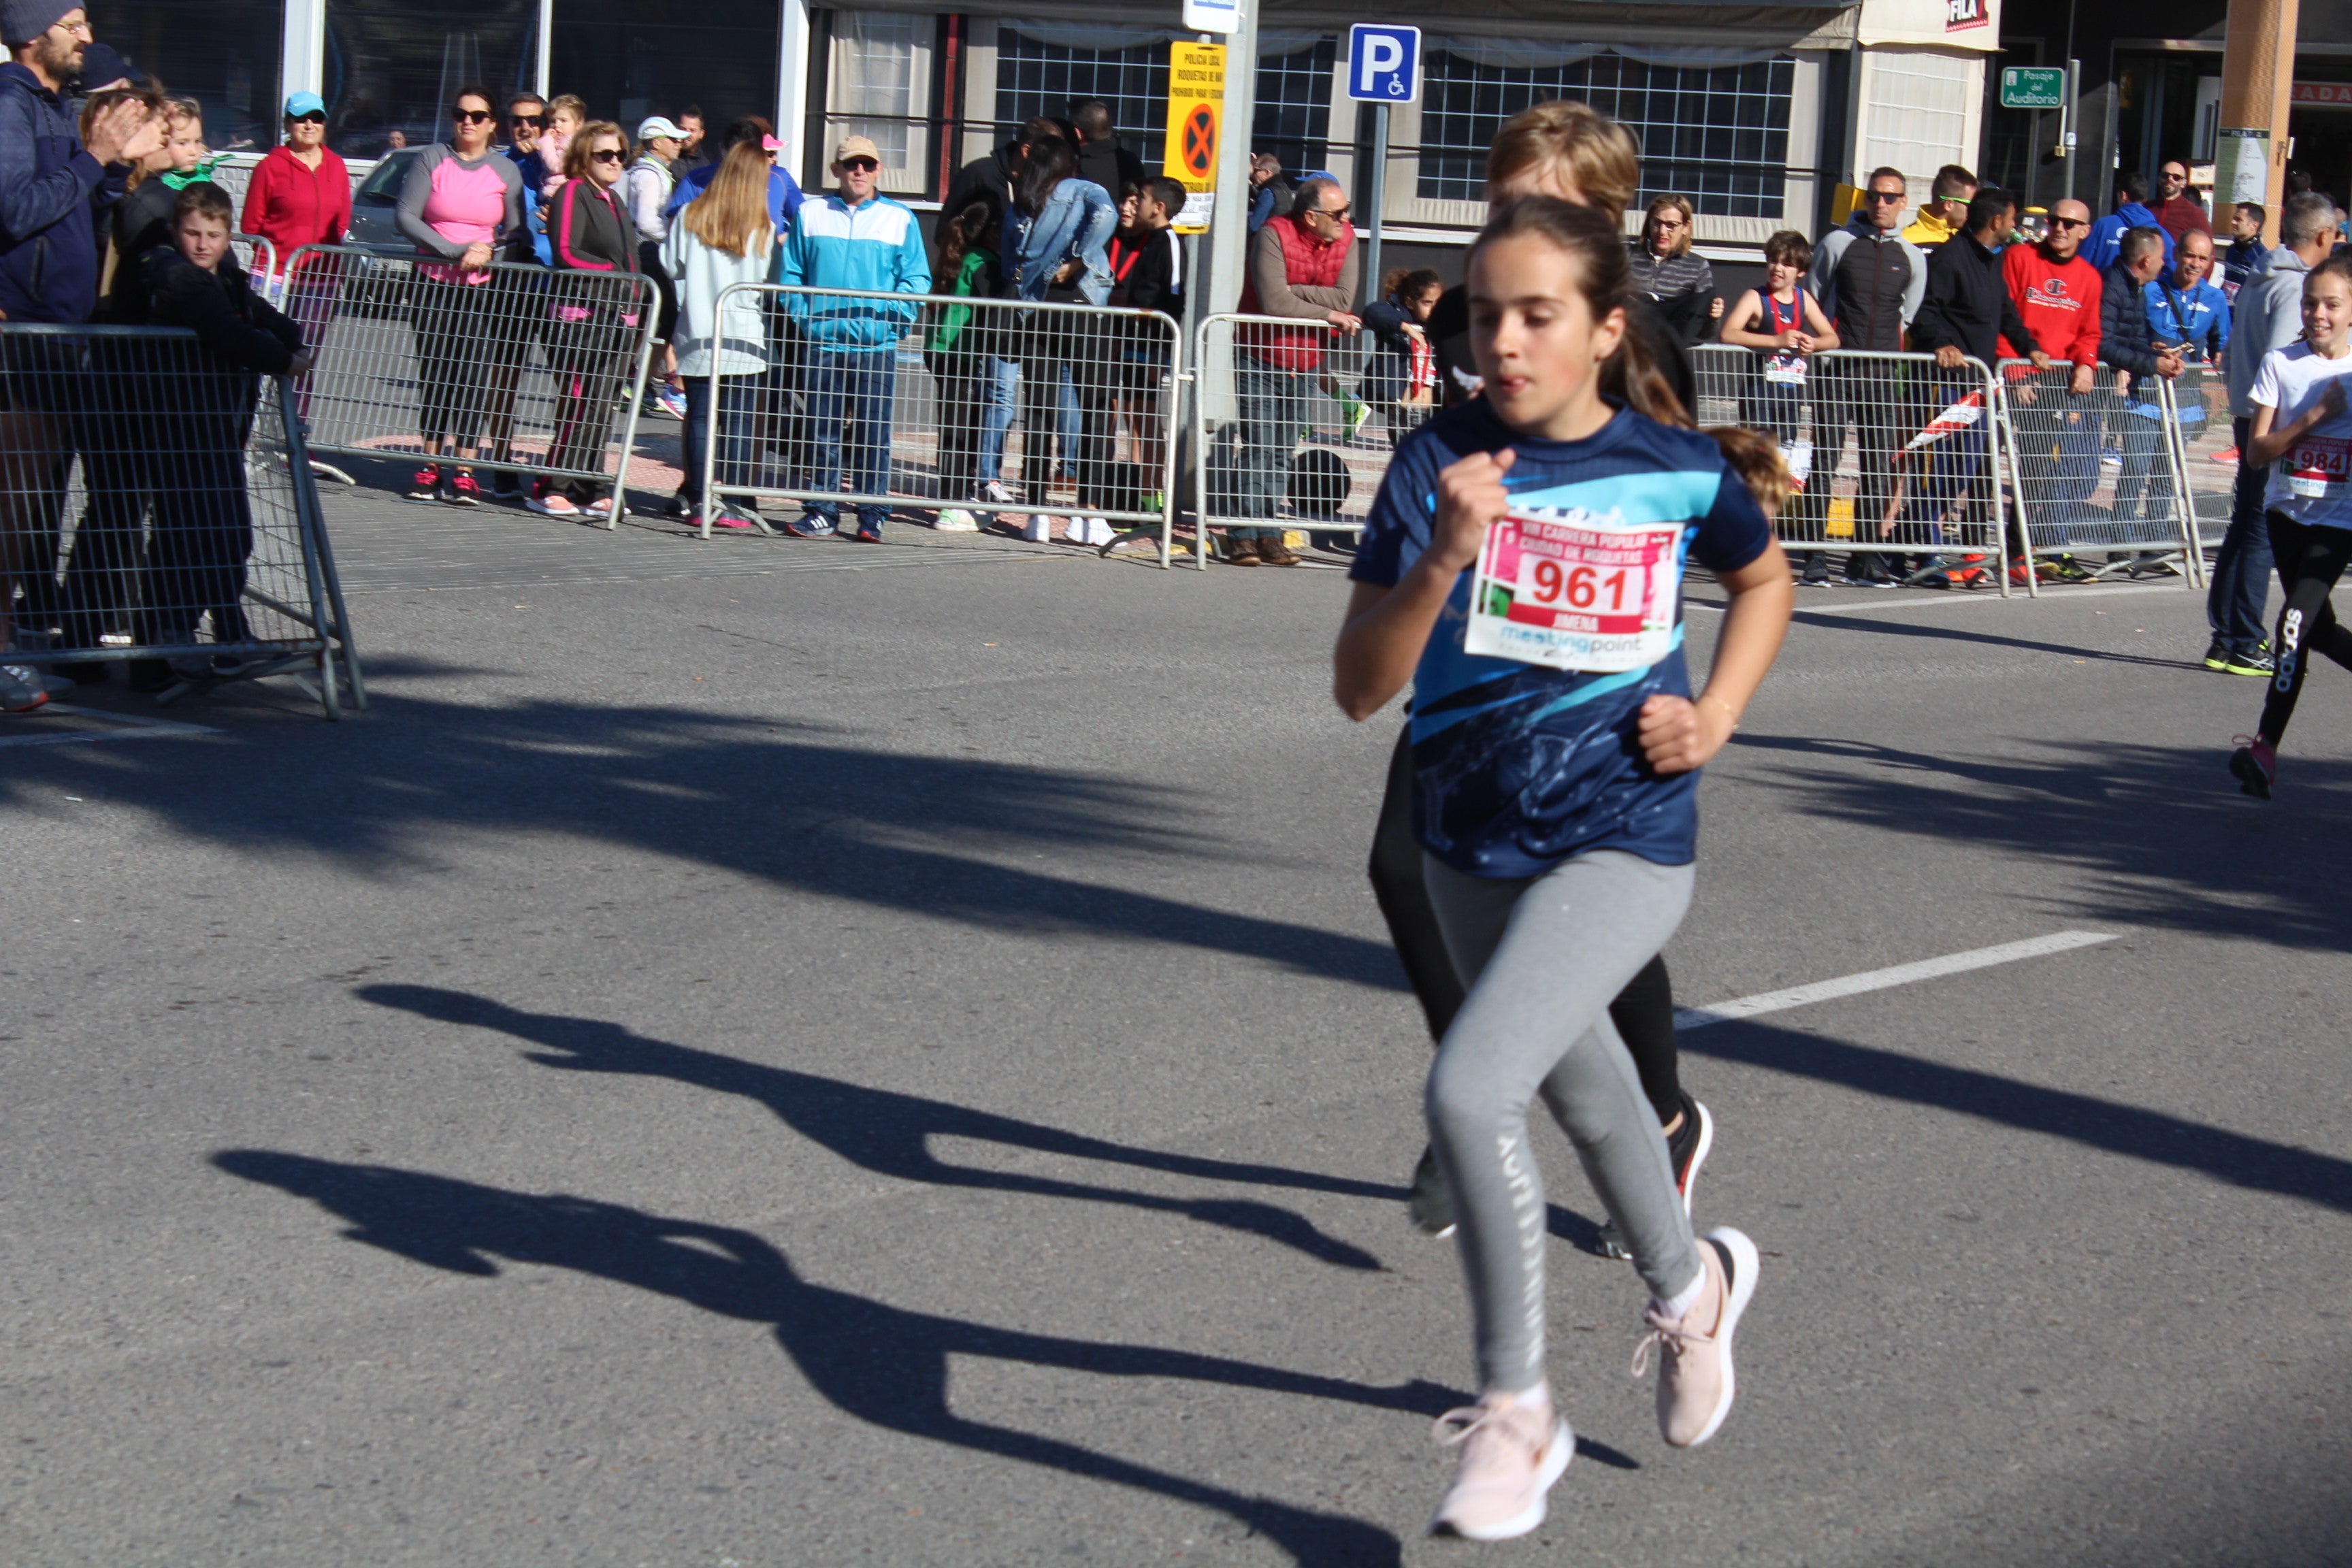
x=1542 y=957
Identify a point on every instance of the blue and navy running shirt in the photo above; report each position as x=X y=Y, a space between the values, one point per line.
x=1519 y=767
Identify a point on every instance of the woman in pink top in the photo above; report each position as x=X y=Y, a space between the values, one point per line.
x=462 y=204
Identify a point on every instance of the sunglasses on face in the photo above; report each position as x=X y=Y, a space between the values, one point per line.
x=606 y=154
x=472 y=116
x=1886 y=195
x=532 y=119
x=2070 y=222
x=863 y=165
x=1336 y=213
x=313 y=117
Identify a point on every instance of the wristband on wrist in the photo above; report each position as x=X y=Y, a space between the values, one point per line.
x=1726 y=705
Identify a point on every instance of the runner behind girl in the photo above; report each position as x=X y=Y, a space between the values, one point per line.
x=2303 y=432
x=1786 y=327
x=1556 y=805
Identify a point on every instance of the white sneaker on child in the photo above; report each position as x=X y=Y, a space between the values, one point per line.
x=1040 y=529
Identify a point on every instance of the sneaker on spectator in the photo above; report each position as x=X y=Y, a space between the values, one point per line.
x=733 y=519
x=2020 y=572
x=1357 y=410
x=997 y=493
x=956 y=519
x=2229 y=456
x=596 y=506
x=671 y=400
x=22 y=690
x=1039 y=528
x=1099 y=532
x=507 y=488
x=554 y=503
x=461 y=489
x=2111 y=456
x=2259 y=662
x=425 y=486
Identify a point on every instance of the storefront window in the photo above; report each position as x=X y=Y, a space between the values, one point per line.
x=1293 y=119
x=1718 y=135
x=629 y=59
x=881 y=87
x=224 y=54
x=395 y=68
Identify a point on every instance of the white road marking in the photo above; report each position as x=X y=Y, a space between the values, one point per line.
x=133 y=728
x=1882 y=979
x=1934 y=600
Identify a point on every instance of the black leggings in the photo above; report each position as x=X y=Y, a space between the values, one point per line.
x=1644 y=1011
x=2309 y=560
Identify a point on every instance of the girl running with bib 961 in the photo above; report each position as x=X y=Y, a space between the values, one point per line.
x=1522 y=568
x=2303 y=430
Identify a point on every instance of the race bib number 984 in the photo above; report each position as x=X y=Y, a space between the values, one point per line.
x=1578 y=593
x=2319 y=469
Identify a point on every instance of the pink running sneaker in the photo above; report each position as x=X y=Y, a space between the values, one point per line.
x=1512 y=1451
x=1695 y=1382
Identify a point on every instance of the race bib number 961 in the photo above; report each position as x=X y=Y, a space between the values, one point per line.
x=1576 y=592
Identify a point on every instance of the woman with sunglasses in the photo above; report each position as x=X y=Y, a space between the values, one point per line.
x=300 y=195
x=462 y=204
x=1666 y=269
x=591 y=326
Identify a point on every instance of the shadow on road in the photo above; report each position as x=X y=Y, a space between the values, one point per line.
x=2171 y=842
x=800 y=806
x=876 y=1363
x=888 y=1133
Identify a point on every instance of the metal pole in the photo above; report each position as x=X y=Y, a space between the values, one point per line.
x=1375 y=193
x=1229 y=234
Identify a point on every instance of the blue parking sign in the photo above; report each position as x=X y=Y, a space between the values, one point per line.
x=1383 y=63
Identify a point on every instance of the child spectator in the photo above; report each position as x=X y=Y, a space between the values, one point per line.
x=565 y=116
x=1785 y=326
x=203 y=521
x=1146 y=266
x=1401 y=376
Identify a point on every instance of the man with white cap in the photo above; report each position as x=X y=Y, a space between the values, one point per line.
x=649 y=181
x=855 y=238
x=54 y=191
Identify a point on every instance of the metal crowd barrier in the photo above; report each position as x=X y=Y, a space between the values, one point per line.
x=530 y=371
x=2105 y=472
x=1000 y=409
x=258 y=257
x=1896 y=455
x=156 y=503
x=1275 y=443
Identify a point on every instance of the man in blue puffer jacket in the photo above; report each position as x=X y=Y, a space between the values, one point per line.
x=855 y=238
x=54 y=195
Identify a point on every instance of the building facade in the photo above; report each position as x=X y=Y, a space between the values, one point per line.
x=1758 y=113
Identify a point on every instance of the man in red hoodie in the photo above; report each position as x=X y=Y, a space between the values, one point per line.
x=2057 y=293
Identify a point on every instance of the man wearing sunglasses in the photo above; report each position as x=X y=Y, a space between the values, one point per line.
x=2057 y=294
x=1869 y=281
x=526 y=119
x=855 y=238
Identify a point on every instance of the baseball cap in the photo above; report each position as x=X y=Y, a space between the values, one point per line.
x=301 y=103
x=850 y=147
x=654 y=125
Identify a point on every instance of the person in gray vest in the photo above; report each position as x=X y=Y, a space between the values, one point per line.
x=1869 y=280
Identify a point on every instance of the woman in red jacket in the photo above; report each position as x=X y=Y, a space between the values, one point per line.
x=593 y=329
x=300 y=195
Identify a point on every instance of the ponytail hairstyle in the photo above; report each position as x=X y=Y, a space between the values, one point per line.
x=962 y=234
x=1630 y=377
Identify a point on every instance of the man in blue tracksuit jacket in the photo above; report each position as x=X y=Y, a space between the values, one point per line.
x=855 y=239
x=2107 y=236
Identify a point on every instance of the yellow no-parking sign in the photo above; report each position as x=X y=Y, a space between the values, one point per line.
x=1196 y=114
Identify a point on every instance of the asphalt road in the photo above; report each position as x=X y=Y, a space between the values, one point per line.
x=738 y=1066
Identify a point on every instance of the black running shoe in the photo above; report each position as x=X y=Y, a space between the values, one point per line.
x=1688 y=1148
x=2254 y=765
x=1428 y=1201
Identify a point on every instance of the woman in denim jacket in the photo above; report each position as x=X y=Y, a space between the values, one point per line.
x=1054 y=235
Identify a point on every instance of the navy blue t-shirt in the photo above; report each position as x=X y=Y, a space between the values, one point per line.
x=1519 y=767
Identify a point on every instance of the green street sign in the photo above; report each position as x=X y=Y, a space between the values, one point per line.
x=2033 y=87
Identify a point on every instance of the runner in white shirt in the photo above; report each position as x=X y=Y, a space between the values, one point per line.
x=2303 y=430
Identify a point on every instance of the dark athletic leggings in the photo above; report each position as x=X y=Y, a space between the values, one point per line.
x=2309 y=560
x=1644 y=1011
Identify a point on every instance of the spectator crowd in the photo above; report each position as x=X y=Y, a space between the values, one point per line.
x=538 y=228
